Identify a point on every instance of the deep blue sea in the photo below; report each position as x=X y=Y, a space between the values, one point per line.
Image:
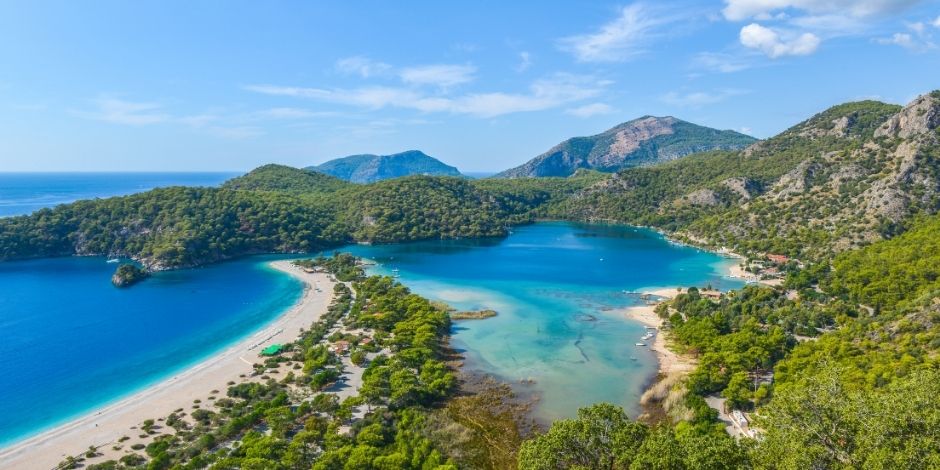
x=71 y=342
x=23 y=193
x=559 y=290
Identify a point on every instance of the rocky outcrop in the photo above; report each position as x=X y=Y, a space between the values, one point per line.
x=644 y=141
x=744 y=187
x=919 y=117
x=127 y=275
x=701 y=197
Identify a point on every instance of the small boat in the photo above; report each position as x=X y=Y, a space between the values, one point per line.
x=632 y=358
x=113 y=260
x=640 y=344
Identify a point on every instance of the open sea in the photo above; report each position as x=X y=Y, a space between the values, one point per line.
x=71 y=342
x=23 y=193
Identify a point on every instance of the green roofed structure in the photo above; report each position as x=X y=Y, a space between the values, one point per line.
x=272 y=350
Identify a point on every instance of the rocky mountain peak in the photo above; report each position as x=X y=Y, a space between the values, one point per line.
x=919 y=117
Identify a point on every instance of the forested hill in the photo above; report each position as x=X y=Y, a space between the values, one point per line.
x=286 y=179
x=278 y=209
x=371 y=168
x=644 y=141
x=851 y=175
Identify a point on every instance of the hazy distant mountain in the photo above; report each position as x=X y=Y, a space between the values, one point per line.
x=642 y=141
x=370 y=168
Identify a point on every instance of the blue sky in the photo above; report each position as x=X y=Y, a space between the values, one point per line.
x=230 y=85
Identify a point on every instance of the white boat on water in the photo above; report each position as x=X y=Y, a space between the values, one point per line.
x=641 y=344
x=113 y=260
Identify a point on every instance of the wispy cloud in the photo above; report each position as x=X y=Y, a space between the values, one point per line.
x=525 y=61
x=291 y=113
x=362 y=66
x=589 y=110
x=917 y=38
x=619 y=40
x=132 y=113
x=738 y=10
x=697 y=99
x=546 y=93
x=138 y=113
x=720 y=62
x=439 y=75
x=775 y=44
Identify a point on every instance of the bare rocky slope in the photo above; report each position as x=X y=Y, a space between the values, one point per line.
x=644 y=141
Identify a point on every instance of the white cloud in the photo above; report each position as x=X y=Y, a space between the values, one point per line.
x=936 y=22
x=554 y=91
x=773 y=45
x=619 y=40
x=441 y=75
x=698 y=99
x=131 y=113
x=919 y=39
x=525 y=61
x=720 y=62
x=898 y=39
x=589 y=110
x=739 y=10
x=366 y=97
x=290 y=113
x=362 y=66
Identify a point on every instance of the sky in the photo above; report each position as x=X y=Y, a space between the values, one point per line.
x=482 y=85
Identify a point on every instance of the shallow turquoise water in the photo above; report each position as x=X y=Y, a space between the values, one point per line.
x=71 y=342
x=557 y=288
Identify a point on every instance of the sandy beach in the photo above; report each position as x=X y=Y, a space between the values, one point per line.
x=669 y=362
x=204 y=381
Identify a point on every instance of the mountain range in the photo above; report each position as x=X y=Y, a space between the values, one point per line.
x=368 y=168
x=643 y=141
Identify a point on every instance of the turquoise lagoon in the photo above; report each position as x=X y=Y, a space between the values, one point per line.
x=559 y=289
x=71 y=342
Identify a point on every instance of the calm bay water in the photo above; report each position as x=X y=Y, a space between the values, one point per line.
x=557 y=288
x=72 y=342
x=23 y=193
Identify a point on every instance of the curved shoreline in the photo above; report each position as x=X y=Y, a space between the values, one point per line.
x=104 y=426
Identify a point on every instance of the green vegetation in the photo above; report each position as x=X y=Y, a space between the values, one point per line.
x=840 y=363
x=604 y=437
x=473 y=315
x=372 y=168
x=884 y=275
x=320 y=433
x=278 y=209
x=127 y=275
x=644 y=141
x=818 y=188
x=286 y=179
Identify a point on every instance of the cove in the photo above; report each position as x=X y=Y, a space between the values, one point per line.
x=71 y=342
x=557 y=288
